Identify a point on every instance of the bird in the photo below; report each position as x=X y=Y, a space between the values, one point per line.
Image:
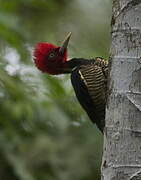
x=88 y=76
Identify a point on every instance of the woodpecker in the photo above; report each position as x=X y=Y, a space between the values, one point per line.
x=88 y=76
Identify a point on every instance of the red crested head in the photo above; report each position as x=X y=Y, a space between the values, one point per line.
x=50 y=58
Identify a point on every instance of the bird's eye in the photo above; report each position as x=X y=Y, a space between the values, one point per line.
x=51 y=55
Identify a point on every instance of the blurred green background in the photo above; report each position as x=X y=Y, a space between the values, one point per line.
x=44 y=133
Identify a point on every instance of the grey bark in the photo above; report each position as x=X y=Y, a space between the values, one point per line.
x=122 y=140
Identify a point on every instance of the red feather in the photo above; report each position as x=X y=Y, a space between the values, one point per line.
x=43 y=63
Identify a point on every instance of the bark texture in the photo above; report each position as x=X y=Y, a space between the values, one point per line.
x=122 y=141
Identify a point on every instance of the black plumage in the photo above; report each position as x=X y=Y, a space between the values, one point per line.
x=89 y=80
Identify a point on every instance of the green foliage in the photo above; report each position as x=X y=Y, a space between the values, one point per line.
x=44 y=133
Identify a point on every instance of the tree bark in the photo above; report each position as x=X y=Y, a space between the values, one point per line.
x=122 y=140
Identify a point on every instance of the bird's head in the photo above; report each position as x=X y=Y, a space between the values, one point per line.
x=50 y=58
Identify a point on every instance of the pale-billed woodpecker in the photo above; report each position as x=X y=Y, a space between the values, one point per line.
x=88 y=76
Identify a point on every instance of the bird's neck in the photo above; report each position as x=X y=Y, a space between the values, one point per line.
x=76 y=62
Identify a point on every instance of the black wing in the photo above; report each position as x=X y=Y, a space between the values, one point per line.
x=89 y=84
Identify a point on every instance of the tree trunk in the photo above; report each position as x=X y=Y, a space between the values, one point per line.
x=122 y=141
